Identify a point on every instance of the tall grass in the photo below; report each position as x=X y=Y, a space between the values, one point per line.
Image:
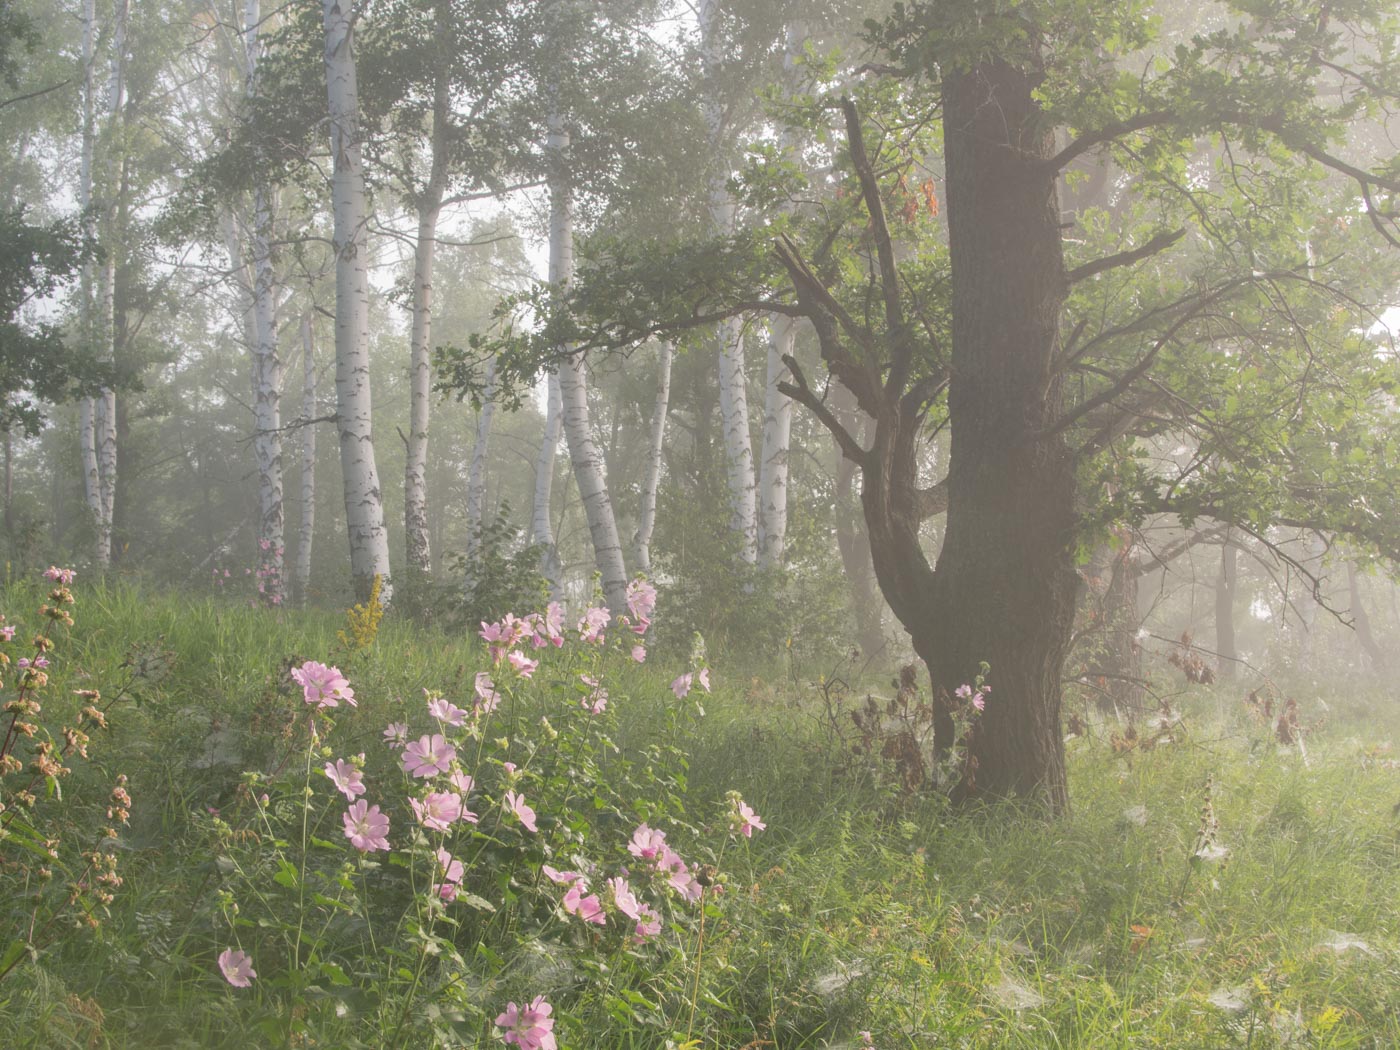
x=857 y=910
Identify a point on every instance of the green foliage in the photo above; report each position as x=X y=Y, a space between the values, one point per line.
x=504 y=573
x=38 y=362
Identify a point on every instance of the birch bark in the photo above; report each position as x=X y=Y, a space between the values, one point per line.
x=302 y=578
x=541 y=527
x=733 y=388
x=573 y=387
x=364 y=510
x=87 y=407
x=267 y=362
x=777 y=435
x=646 y=518
x=476 y=477
x=415 y=477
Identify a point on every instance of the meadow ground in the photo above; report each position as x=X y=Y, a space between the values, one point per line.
x=1215 y=890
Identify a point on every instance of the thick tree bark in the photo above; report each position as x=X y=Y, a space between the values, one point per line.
x=307 y=533
x=646 y=517
x=1225 y=589
x=852 y=541
x=1005 y=585
x=573 y=388
x=541 y=526
x=1361 y=621
x=364 y=510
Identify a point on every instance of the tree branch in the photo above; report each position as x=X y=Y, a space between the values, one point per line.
x=801 y=391
x=1158 y=243
x=1107 y=133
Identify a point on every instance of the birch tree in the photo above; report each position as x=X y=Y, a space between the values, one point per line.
x=364 y=510
x=541 y=525
x=306 y=535
x=651 y=480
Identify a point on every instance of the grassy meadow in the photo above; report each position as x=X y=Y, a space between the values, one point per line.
x=1217 y=889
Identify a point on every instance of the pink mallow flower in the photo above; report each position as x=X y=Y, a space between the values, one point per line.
x=348 y=780
x=366 y=827
x=639 y=653
x=427 y=756
x=596 y=702
x=323 y=686
x=563 y=878
x=523 y=665
x=396 y=734
x=516 y=804
x=439 y=811
x=446 y=711
x=528 y=1027
x=646 y=843
x=65 y=577
x=641 y=601
x=589 y=909
x=742 y=818
x=452 y=870
x=487 y=699
x=648 y=923
x=595 y=619
x=237 y=967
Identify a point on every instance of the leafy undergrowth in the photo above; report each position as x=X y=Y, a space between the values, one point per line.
x=1218 y=889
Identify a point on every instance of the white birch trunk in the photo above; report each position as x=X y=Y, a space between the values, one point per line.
x=418 y=546
x=105 y=404
x=364 y=509
x=476 y=477
x=415 y=472
x=541 y=527
x=573 y=389
x=302 y=579
x=267 y=362
x=733 y=387
x=646 y=517
x=777 y=406
x=777 y=435
x=87 y=407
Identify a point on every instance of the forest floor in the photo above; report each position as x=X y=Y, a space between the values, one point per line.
x=1215 y=889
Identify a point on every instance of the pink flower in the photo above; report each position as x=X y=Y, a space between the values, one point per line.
x=564 y=878
x=366 y=827
x=522 y=663
x=589 y=909
x=396 y=735
x=487 y=699
x=681 y=686
x=743 y=819
x=554 y=624
x=461 y=782
x=639 y=653
x=428 y=756
x=516 y=804
x=963 y=692
x=237 y=967
x=590 y=627
x=347 y=779
x=529 y=1027
x=65 y=577
x=446 y=711
x=641 y=601
x=597 y=700
x=704 y=678
x=623 y=898
x=439 y=811
x=8 y=632
x=451 y=876
x=323 y=686
x=646 y=843
x=979 y=701
x=648 y=923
